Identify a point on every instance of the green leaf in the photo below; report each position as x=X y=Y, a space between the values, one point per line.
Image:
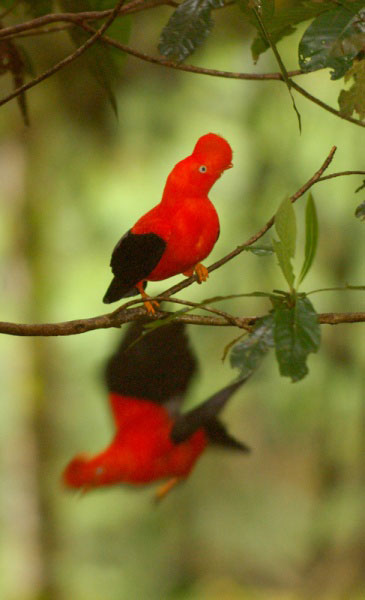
x=263 y=250
x=296 y=334
x=282 y=22
x=284 y=262
x=353 y=99
x=286 y=226
x=360 y=211
x=248 y=354
x=187 y=28
x=333 y=40
x=311 y=237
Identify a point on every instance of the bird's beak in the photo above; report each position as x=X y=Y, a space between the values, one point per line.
x=230 y=166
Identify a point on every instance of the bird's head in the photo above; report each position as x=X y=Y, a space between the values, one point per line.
x=196 y=174
x=83 y=472
x=215 y=151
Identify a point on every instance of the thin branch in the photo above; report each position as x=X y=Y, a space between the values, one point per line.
x=70 y=58
x=191 y=68
x=38 y=32
x=225 y=74
x=77 y=17
x=341 y=174
x=325 y=106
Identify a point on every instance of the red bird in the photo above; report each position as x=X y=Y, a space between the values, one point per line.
x=153 y=440
x=178 y=233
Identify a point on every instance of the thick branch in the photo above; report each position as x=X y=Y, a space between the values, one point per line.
x=117 y=320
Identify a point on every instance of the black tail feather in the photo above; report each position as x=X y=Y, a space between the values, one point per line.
x=204 y=415
x=118 y=290
x=219 y=436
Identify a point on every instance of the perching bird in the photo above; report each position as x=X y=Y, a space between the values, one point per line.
x=177 y=234
x=153 y=440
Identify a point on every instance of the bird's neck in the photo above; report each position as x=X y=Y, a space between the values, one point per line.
x=177 y=191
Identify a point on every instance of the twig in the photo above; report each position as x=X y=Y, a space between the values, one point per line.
x=77 y=17
x=325 y=106
x=341 y=174
x=70 y=58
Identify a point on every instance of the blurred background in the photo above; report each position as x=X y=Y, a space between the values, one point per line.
x=286 y=523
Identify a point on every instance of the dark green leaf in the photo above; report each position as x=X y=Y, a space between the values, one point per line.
x=360 y=211
x=283 y=21
x=353 y=99
x=333 y=40
x=248 y=354
x=187 y=28
x=296 y=334
x=265 y=8
x=311 y=237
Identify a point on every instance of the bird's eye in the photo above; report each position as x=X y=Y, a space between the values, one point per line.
x=202 y=169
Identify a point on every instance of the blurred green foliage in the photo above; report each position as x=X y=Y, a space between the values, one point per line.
x=284 y=524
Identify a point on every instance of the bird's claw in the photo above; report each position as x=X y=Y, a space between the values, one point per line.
x=202 y=272
x=151 y=306
x=165 y=488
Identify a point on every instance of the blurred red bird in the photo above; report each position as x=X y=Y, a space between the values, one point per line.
x=178 y=233
x=153 y=440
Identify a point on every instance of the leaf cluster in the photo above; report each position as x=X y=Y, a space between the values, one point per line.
x=333 y=39
x=292 y=325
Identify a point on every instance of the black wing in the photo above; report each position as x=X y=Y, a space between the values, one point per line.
x=205 y=416
x=133 y=259
x=158 y=367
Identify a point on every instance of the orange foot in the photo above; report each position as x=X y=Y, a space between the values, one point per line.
x=165 y=488
x=149 y=304
x=200 y=270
